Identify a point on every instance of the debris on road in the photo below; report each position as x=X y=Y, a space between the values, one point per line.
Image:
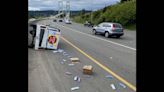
x=87 y=69
x=69 y=56
x=76 y=78
x=61 y=62
x=71 y=64
x=110 y=57
x=74 y=88
x=55 y=51
x=109 y=76
x=64 y=60
x=122 y=85
x=79 y=79
x=68 y=73
x=64 y=52
x=74 y=59
x=113 y=87
x=60 y=50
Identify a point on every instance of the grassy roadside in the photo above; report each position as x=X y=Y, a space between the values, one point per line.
x=131 y=27
x=123 y=13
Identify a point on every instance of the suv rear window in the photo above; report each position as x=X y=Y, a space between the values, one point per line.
x=117 y=26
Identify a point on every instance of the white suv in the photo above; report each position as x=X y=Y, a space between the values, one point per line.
x=109 y=29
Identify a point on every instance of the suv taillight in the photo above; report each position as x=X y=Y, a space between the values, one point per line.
x=113 y=28
x=114 y=25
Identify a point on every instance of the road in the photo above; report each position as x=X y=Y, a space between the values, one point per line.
x=47 y=74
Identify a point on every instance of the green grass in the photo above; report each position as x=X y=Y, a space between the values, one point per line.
x=130 y=27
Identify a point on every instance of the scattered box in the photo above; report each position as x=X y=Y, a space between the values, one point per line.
x=55 y=51
x=122 y=85
x=71 y=64
x=109 y=76
x=60 y=50
x=87 y=69
x=75 y=78
x=74 y=88
x=74 y=59
x=68 y=73
x=113 y=87
x=79 y=79
x=64 y=60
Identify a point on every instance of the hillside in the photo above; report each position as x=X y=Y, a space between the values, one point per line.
x=47 y=13
x=36 y=14
x=124 y=13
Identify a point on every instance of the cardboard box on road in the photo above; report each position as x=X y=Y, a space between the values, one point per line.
x=74 y=59
x=87 y=69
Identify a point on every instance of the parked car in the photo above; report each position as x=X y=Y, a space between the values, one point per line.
x=109 y=29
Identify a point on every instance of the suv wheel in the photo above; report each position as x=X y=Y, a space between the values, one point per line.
x=94 y=32
x=106 y=34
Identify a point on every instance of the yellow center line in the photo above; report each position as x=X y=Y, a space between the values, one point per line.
x=101 y=65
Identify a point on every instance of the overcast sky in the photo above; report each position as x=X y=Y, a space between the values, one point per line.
x=74 y=4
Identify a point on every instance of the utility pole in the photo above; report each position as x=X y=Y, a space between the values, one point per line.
x=91 y=14
x=91 y=11
x=60 y=5
x=67 y=10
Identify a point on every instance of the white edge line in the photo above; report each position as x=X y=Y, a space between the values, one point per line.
x=99 y=38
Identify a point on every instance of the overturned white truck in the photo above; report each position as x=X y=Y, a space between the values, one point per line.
x=43 y=36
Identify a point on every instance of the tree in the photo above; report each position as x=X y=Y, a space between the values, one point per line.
x=83 y=11
x=124 y=1
x=104 y=9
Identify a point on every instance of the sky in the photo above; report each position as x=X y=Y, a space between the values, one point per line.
x=74 y=4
